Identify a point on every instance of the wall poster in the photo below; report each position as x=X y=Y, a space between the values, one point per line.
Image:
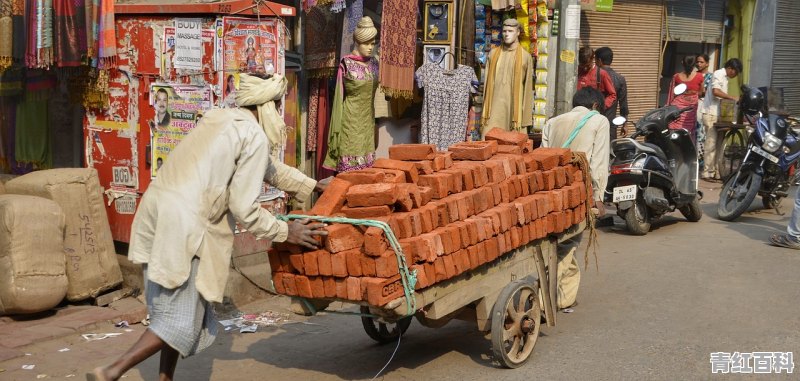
x=178 y=108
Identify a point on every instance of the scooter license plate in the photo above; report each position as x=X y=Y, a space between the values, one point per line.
x=766 y=154
x=626 y=193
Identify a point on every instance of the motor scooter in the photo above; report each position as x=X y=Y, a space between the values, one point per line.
x=651 y=178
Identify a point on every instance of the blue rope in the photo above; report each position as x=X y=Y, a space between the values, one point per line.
x=407 y=277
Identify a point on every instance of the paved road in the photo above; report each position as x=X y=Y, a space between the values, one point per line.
x=656 y=308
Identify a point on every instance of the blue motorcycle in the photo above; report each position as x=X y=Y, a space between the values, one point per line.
x=772 y=150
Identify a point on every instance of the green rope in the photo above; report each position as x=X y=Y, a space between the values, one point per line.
x=408 y=278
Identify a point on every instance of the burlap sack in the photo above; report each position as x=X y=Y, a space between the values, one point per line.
x=32 y=267
x=92 y=265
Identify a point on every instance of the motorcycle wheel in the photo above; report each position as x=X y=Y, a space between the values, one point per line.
x=734 y=199
x=770 y=202
x=692 y=211
x=637 y=218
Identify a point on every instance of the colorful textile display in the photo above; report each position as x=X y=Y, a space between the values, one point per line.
x=313 y=106
x=351 y=138
x=39 y=52
x=320 y=43
x=6 y=31
x=106 y=36
x=351 y=18
x=398 y=48
x=291 y=116
x=468 y=33
x=323 y=124
x=70 y=32
x=32 y=139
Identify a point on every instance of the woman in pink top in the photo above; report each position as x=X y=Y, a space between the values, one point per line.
x=694 y=84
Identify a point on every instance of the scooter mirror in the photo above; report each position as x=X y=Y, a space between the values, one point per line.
x=618 y=121
x=680 y=89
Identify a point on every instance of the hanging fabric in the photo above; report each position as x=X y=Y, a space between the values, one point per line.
x=90 y=9
x=351 y=17
x=398 y=48
x=468 y=33
x=106 y=36
x=313 y=106
x=320 y=41
x=32 y=138
x=6 y=33
x=70 y=32
x=20 y=32
x=39 y=52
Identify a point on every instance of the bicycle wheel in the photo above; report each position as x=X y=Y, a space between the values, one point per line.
x=731 y=152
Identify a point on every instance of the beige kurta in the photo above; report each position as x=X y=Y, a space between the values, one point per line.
x=211 y=179
x=592 y=140
x=503 y=98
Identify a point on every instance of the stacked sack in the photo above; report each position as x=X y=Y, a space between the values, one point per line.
x=451 y=212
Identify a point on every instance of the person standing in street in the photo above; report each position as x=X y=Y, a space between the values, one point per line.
x=694 y=83
x=183 y=231
x=590 y=75
x=710 y=109
x=603 y=58
x=701 y=62
x=792 y=239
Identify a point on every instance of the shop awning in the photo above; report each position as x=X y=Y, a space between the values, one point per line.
x=230 y=7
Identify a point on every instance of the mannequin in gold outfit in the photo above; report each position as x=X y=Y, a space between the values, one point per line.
x=508 y=93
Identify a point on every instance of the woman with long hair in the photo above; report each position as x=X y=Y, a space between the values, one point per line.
x=694 y=84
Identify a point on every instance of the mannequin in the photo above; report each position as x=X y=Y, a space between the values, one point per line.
x=508 y=93
x=351 y=136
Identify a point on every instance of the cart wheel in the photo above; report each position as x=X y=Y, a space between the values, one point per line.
x=516 y=320
x=381 y=332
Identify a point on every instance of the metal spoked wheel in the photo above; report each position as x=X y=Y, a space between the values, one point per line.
x=516 y=321
x=383 y=332
x=737 y=194
x=732 y=150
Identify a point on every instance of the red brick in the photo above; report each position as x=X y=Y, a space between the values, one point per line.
x=531 y=164
x=452 y=208
x=520 y=208
x=404 y=203
x=540 y=183
x=353 y=262
x=386 y=264
x=463 y=208
x=342 y=237
x=393 y=176
x=455 y=237
x=353 y=288
x=277 y=283
x=367 y=265
x=372 y=194
x=412 y=175
x=496 y=248
x=545 y=160
x=440 y=269
x=429 y=246
x=442 y=213
x=303 y=286
x=495 y=171
x=516 y=162
x=528 y=146
x=505 y=192
x=564 y=154
x=341 y=288
x=525 y=234
x=275 y=261
x=450 y=266
x=524 y=181
x=516 y=237
x=339 y=264
x=514 y=150
x=311 y=262
x=286 y=263
x=430 y=272
x=509 y=169
x=286 y=247
x=324 y=263
x=290 y=284
x=416 y=222
x=515 y=180
x=330 y=287
x=412 y=190
x=438 y=182
x=505 y=137
x=448 y=158
x=483 y=252
x=297 y=262
x=379 y=291
x=427 y=194
x=402 y=225
x=463 y=257
x=362 y=177
x=332 y=200
x=474 y=258
x=463 y=231
x=556 y=200
x=422 y=277
x=569 y=220
x=480 y=150
x=317 y=286
x=549 y=180
x=438 y=162
x=412 y=151
x=368 y=212
x=480 y=176
x=375 y=242
x=424 y=167
x=561 y=176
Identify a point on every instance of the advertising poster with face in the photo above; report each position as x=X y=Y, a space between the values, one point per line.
x=252 y=47
x=178 y=108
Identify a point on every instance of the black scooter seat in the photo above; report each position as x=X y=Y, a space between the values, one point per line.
x=648 y=148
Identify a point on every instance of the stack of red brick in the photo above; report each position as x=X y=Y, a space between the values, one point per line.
x=451 y=212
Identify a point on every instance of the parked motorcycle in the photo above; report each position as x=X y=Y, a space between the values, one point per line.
x=657 y=176
x=772 y=149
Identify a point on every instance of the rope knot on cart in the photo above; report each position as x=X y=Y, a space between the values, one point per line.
x=408 y=278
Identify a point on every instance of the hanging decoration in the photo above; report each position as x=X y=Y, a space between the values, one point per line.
x=320 y=43
x=398 y=48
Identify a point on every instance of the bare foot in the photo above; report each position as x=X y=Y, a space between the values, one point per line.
x=98 y=374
